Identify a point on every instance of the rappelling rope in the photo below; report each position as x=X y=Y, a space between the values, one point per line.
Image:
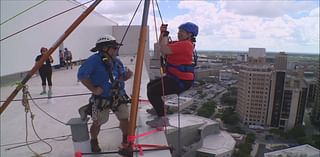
x=56 y=138
x=161 y=66
x=45 y=111
x=45 y=20
x=25 y=103
x=162 y=82
x=134 y=14
x=27 y=143
x=21 y=12
x=57 y=96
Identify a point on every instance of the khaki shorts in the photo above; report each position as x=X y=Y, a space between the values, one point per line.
x=102 y=116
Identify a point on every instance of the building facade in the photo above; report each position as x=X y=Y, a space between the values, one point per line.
x=316 y=107
x=270 y=97
x=288 y=101
x=281 y=61
x=253 y=94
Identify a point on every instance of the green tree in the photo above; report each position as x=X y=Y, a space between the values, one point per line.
x=295 y=132
x=207 y=109
x=230 y=117
x=316 y=141
x=229 y=99
x=250 y=138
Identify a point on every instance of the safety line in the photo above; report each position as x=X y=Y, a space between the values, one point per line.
x=58 y=96
x=26 y=137
x=21 y=144
x=22 y=12
x=46 y=112
x=135 y=12
x=159 y=11
x=44 y=20
x=67 y=95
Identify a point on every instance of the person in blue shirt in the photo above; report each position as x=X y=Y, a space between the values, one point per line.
x=104 y=75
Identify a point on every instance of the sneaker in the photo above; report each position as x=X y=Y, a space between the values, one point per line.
x=49 y=93
x=43 y=93
x=158 y=122
x=95 y=145
x=83 y=113
x=152 y=111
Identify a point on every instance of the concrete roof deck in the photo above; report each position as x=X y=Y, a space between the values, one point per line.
x=58 y=135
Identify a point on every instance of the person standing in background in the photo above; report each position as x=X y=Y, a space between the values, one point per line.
x=68 y=57
x=61 y=58
x=45 y=72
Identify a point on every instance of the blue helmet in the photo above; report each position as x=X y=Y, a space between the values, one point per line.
x=190 y=27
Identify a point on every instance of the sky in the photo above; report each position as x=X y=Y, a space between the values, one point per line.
x=291 y=26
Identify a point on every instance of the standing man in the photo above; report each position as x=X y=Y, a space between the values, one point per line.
x=61 y=58
x=68 y=58
x=104 y=75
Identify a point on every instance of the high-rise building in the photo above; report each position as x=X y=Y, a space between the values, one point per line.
x=270 y=97
x=253 y=94
x=281 y=61
x=316 y=107
x=257 y=55
x=253 y=89
x=288 y=98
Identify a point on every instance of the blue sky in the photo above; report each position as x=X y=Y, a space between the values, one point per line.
x=282 y=25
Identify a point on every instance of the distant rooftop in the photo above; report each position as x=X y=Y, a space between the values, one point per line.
x=218 y=144
x=298 y=151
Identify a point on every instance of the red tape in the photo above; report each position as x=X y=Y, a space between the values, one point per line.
x=132 y=138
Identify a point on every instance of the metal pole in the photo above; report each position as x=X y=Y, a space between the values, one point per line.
x=50 y=51
x=138 y=70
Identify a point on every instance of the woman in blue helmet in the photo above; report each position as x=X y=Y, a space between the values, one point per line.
x=179 y=69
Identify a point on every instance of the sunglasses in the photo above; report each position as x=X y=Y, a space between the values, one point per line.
x=115 y=47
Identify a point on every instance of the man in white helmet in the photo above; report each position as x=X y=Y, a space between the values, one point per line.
x=104 y=75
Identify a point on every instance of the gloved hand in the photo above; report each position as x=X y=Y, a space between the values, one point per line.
x=163 y=30
x=163 y=27
x=129 y=74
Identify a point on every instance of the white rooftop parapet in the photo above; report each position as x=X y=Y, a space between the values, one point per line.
x=298 y=151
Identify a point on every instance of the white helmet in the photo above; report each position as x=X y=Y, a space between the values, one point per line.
x=105 y=41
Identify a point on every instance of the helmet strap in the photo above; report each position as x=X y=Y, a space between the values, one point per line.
x=108 y=55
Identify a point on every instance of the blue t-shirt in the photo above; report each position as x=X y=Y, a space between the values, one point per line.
x=94 y=69
x=119 y=72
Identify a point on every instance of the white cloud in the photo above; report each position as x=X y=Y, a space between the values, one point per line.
x=314 y=12
x=235 y=25
x=268 y=8
x=223 y=29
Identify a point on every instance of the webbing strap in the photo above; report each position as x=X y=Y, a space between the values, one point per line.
x=131 y=139
x=182 y=68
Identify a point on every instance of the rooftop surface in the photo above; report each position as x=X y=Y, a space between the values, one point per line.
x=51 y=116
x=53 y=129
x=303 y=151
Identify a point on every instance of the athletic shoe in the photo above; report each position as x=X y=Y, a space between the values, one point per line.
x=83 y=113
x=158 y=122
x=152 y=111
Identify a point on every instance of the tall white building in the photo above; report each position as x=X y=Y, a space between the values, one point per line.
x=270 y=97
x=253 y=89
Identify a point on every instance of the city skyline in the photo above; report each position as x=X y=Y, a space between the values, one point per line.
x=290 y=26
